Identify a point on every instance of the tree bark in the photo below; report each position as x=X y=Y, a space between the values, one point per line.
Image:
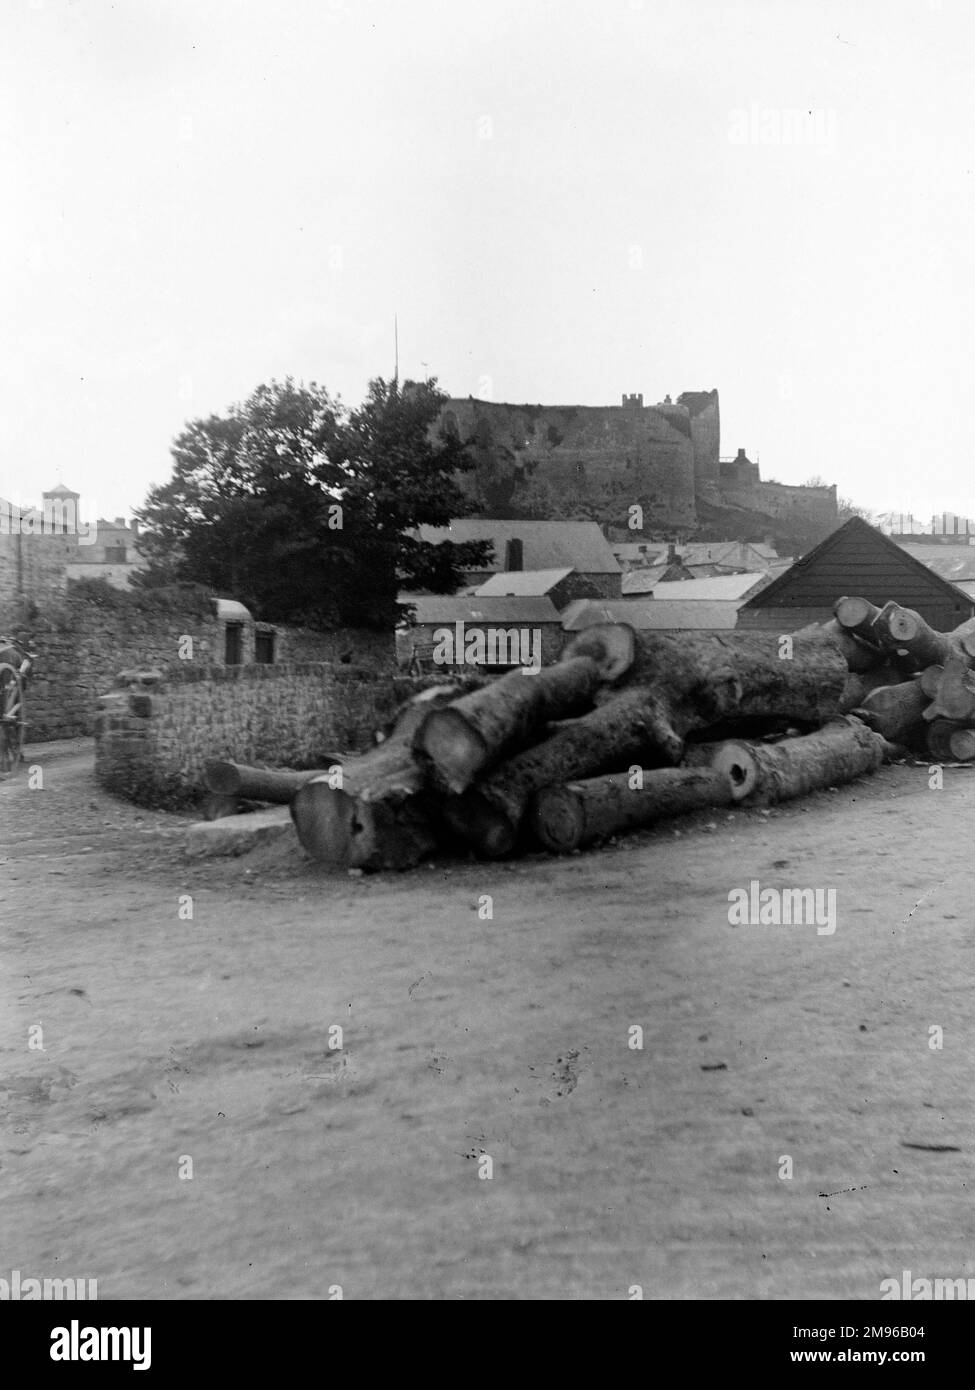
x=676 y=685
x=904 y=629
x=938 y=739
x=954 y=696
x=276 y=785
x=860 y=656
x=475 y=732
x=840 y=751
x=896 y=711
x=373 y=812
x=564 y=818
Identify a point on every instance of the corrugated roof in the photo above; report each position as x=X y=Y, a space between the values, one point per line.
x=530 y=582
x=545 y=544
x=514 y=610
x=652 y=615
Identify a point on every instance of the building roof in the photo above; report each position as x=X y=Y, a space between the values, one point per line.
x=858 y=559
x=531 y=582
x=644 y=581
x=723 y=587
x=742 y=554
x=635 y=553
x=652 y=615
x=512 y=610
x=546 y=544
x=952 y=562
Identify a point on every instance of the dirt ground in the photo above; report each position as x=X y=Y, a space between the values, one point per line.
x=167 y=1039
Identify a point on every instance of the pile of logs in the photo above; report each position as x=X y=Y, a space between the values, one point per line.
x=913 y=685
x=628 y=729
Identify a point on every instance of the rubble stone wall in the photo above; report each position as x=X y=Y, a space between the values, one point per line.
x=153 y=735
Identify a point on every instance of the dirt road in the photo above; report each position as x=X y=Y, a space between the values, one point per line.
x=168 y=1039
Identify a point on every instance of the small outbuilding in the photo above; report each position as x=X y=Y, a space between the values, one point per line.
x=860 y=561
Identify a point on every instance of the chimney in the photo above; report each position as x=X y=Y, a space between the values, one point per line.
x=120 y=521
x=514 y=554
x=671 y=553
x=742 y=454
x=135 y=527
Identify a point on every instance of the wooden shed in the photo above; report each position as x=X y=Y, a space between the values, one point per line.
x=855 y=559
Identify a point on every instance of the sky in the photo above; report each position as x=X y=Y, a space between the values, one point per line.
x=559 y=200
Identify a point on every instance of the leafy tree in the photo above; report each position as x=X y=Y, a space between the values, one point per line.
x=302 y=509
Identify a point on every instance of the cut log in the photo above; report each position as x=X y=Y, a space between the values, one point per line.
x=859 y=685
x=842 y=750
x=489 y=814
x=962 y=745
x=567 y=817
x=373 y=812
x=896 y=711
x=860 y=656
x=215 y=807
x=857 y=615
x=276 y=785
x=475 y=732
x=937 y=736
x=930 y=679
x=678 y=685
x=955 y=695
x=905 y=630
x=732 y=758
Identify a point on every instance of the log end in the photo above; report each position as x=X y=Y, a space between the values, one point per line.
x=453 y=746
x=556 y=819
x=221 y=777
x=612 y=646
x=736 y=762
x=853 y=612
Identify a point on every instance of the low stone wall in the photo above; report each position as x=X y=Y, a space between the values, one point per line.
x=155 y=731
x=86 y=635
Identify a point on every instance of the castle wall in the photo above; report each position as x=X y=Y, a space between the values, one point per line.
x=578 y=462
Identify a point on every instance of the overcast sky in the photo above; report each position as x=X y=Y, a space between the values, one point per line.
x=562 y=200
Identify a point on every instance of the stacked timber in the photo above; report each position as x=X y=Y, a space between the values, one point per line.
x=630 y=729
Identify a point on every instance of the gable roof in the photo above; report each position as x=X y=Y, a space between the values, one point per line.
x=857 y=558
x=653 y=615
x=545 y=544
x=531 y=582
x=460 y=608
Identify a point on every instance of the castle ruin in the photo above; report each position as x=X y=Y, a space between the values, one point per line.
x=595 y=463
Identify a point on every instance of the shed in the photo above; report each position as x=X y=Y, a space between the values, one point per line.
x=858 y=560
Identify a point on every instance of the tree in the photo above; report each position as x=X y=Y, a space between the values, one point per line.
x=302 y=509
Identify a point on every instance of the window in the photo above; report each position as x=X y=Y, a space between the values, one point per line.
x=264 y=647
x=233 y=648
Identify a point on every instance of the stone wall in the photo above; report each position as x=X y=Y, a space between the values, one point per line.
x=34 y=565
x=578 y=462
x=154 y=734
x=84 y=637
